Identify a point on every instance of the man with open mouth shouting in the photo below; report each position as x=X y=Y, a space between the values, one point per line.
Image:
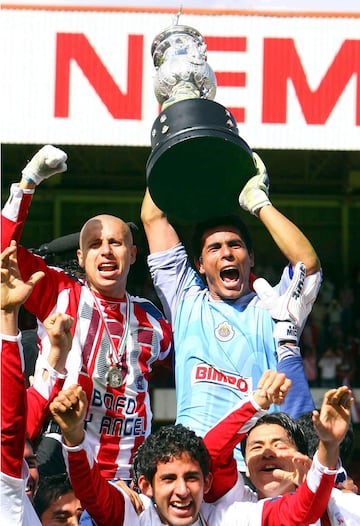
x=117 y=337
x=224 y=337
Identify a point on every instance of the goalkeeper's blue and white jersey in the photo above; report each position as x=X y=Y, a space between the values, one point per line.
x=221 y=348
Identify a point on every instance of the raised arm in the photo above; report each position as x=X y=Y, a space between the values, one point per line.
x=68 y=410
x=49 y=379
x=45 y=163
x=291 y=241
x=295 y=246
x=160 y=234
x=289 y=311
x=221 y=439
x=332 y=423
x=14 y=292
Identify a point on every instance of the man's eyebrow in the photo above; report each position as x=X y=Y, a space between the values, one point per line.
x=273 y=439
x=214 y=244
x=252 y=442
x=167 y=475
x=60 y=513
x=192 y=473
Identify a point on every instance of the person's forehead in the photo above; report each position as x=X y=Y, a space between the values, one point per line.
x=221 y=231
x=65 y=502
x=183 y=463
x=105 y=227
x=267 y=431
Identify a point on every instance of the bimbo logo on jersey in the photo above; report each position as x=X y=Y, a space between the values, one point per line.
x=206 y=373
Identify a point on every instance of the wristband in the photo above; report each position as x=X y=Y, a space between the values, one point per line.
x=285 y=331
x=28 y=179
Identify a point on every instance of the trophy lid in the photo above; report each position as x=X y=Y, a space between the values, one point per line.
x=172 y=30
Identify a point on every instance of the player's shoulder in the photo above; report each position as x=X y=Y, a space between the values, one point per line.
x=147 y=305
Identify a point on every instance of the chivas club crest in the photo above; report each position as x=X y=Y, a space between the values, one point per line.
x=224 y=332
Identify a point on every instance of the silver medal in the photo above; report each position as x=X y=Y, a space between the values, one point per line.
x=114 y=377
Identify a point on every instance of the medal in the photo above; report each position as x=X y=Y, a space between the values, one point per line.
x=114 y=377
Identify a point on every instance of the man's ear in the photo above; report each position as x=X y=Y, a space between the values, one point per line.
x=133 y=253
x=198 y=265
x=80 y=258
x=252 y=258
x=145 y=486
x=207 y=482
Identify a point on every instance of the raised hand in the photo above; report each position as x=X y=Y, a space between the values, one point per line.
x=331 y=424
x=68 y=409
x=272 y=389
x=48 y=161
x=333 y=420
x=255 y=193
x=14 y=291
x=290 y=309
x=58 y=327
x=301 y=464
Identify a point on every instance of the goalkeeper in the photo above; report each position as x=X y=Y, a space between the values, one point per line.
x=225 y=334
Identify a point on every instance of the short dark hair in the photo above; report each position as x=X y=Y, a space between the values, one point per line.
x=346 y=445
x=166 y=443
x=293 y=429
x=50 y=489
x=213 y=222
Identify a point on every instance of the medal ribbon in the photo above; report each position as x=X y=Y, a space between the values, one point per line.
x=115 y=357
x=202 y=522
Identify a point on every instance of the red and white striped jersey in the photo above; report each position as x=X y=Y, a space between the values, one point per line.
x=118 y=419
x=17 y=405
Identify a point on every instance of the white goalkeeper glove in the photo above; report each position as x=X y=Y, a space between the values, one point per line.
x=255 y=193
x=289 y=310
x=46 y=162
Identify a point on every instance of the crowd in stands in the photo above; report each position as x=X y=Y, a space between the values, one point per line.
x=330 y=342
x=331 y=339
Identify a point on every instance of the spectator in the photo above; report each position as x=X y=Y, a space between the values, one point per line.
x=276 y=434
x=346 y=369
x=33 y=479
x=334 y=313
x=327 y=291
x=172 y=467
x=346 y=446
x=16 y=508
x=328 y=364
x=316 y=324
x=310 y=365
x=56 y=503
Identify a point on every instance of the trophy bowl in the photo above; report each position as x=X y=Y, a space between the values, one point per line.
x=198 y=163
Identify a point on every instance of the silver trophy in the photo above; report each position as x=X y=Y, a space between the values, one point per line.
x=182 y=71
x=198 y=162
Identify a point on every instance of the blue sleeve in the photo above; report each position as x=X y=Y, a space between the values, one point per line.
x=299 y=399
x=172 y=274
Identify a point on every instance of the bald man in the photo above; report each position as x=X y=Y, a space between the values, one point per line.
x=117 y=337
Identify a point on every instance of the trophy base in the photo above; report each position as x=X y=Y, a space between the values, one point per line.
x=198 y=164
